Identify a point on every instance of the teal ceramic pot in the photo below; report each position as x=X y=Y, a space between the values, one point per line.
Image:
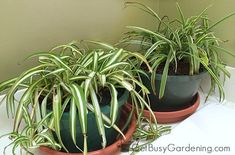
x=93 y=138
x=180 y=91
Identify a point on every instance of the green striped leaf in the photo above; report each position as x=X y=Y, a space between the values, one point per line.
x=221 y=20
x=95 y=61
x=57 y=113
x=107 y=120
x=73 y=120
x=98 y=116
x=79 y=78
x=44 y=105
x=80 y=101
x=6 y=84
x=57 y=60
x=114 y=58
x=164 y=76
x=108 y=68
x=114 y=104
x=102 y=79
x=181 y=14
x=88 y=82
x=107 y=46
x=141 y=57
x=149 y=32
x=153 y=75
x=25 y=99
x=73 y=49
x=153 y=47
x=21 y=79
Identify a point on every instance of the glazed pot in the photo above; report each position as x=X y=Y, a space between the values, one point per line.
x=112 y=149
x=179 y=92
x=94 y=139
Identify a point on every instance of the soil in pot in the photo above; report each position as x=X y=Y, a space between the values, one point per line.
x=114 y=148
x=93 y=138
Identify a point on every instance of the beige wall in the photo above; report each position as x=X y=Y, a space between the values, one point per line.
x=28 y=26
x=220 y=8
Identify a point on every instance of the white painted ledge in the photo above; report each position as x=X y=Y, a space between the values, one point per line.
x=211 y=126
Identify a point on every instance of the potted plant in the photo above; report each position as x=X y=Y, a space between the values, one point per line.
x=181 y=52
x=73 y=101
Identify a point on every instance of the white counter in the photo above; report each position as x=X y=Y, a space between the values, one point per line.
x=211 y=126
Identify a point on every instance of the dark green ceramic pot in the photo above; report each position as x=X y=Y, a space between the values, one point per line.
x=93 y=140
x=180 y=91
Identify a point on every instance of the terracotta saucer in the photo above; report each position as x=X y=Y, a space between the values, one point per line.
x=175 y=116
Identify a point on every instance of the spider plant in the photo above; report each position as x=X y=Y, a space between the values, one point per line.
x=191 y=40
x=69 y=78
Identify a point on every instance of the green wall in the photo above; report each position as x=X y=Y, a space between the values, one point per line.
x=220 y=8
x=28 y=26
